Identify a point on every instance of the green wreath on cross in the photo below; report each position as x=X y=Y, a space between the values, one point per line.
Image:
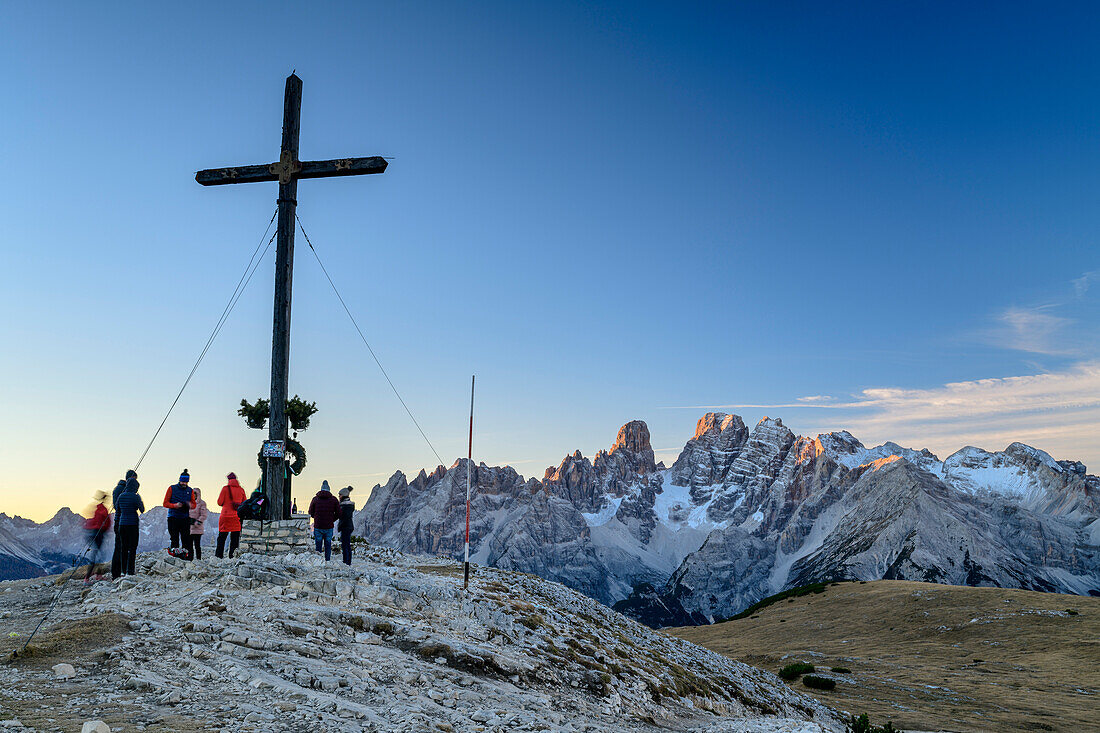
x=293 y=447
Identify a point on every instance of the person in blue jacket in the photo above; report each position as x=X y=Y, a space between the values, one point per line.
x=179 y=500
x=127 y=508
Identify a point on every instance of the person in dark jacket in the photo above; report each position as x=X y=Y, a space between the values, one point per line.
x=128 y=507
x=180 y=500
x=347 y=524
x=325 y=508
x=116 y=567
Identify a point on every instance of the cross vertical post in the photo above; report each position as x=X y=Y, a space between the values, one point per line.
x=274 y=468
x=286 y=171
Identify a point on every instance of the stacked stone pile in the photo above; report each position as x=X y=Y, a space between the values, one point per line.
x=278 y=537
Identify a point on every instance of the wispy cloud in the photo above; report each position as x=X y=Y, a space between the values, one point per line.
x=1081 y=284
x=1034 y=329
x=1052 y=328
x=1058 y=411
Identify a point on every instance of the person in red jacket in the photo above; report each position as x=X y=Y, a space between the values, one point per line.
x=96 y=526
x=229 y=524
x=325 y=510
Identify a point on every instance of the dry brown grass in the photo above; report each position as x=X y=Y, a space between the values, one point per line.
x=68 y=641
x=103 y=568
x=449 y=570
x=918 y=659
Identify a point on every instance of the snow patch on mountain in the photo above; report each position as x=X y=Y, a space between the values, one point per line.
x=606 y=513
x=978 y=471
x=675 y=507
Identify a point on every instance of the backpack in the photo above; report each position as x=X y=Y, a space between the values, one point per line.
x=255 y=507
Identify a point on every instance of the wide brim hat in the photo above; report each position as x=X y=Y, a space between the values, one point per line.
x=99 y=495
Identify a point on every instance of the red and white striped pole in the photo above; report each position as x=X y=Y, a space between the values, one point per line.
x=469 y=473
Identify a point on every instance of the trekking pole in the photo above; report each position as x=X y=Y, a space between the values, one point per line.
x=469 y=472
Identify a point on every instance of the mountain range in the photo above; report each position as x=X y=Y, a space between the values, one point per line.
x=743 y=514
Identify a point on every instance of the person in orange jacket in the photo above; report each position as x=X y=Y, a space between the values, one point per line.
x=180 y=500
x=229 y=524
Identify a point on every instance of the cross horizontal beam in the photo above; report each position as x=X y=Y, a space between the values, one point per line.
x=309 y=169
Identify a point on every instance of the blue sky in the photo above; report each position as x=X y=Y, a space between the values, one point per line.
x=880 y=217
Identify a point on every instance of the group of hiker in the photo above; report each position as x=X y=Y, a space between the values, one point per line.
x=187 y=515
x=329 y=514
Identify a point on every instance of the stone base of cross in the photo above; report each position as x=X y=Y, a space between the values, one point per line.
x=276 y=538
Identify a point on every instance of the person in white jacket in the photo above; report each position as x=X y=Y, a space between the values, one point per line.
x=198 y=520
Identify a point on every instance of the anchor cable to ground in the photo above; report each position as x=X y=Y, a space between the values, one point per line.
x=242 y=283
x=365 y=343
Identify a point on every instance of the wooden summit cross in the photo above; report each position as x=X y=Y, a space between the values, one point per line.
x=286 y=171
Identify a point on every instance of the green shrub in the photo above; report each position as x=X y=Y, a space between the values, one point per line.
x=790 y=593
x=840 y=670
x=863 y=725
x=794 y=671
x=818 y=683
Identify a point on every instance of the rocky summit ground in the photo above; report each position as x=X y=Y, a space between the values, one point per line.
x=392 y=643
x=933 y=657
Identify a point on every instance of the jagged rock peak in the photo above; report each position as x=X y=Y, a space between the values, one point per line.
x=717 y=422
x=771 y=432
x=771 y=423
x=1029 y=454
x=634 y=437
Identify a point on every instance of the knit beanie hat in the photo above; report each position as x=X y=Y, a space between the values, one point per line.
x=324 y=486
x=131 y=474
x=230 y=476
x=345 y=492
x=185 y=477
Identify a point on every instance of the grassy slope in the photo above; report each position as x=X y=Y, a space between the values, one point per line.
x=912 y=649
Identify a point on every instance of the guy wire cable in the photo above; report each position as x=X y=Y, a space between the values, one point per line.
x=364 y=338
x=242 y=283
